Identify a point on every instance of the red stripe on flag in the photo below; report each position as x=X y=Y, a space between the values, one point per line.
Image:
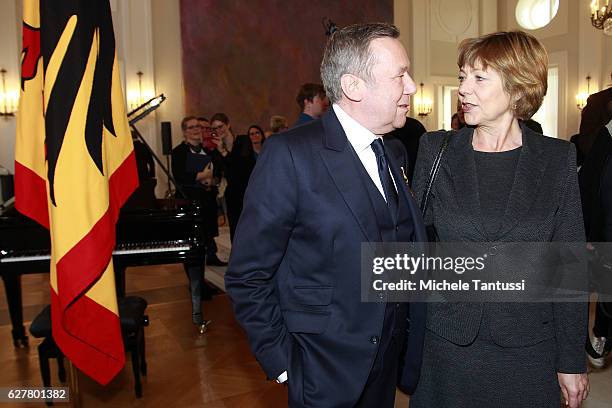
x=92 y=340
x=31 y=195
x=84 y=263
x=122 y=184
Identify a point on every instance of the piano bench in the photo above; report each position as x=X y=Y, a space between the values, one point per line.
x=41 y=327
x=133 y=321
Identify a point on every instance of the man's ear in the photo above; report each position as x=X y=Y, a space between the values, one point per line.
x=352 y=87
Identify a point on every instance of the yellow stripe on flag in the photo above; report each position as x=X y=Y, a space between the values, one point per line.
x=76 y=172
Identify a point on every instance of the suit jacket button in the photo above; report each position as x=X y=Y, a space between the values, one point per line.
x=397 y=227
x=374 y=339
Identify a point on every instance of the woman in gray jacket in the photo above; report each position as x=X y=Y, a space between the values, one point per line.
x=501 y=182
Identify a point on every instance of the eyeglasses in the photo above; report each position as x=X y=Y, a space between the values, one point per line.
x=217 y=127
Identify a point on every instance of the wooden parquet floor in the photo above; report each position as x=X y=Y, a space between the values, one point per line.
x=185 y=369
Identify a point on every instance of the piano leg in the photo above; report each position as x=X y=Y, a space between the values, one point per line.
x=195 y=273
x=12 y=287
x=119 y=279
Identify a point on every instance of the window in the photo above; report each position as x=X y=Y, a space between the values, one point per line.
x=534 y=14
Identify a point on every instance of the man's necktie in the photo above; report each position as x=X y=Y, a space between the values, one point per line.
x=385 y=176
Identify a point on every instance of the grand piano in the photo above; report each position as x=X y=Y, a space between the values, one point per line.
x=168 y=231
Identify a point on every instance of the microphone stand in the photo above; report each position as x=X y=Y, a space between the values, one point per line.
x=169 y=191
x=146 y=108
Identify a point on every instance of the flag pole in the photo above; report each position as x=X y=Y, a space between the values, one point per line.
x=75 y=392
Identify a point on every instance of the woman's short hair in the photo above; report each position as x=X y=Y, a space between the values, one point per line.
x=521 y=61
x=278 y=123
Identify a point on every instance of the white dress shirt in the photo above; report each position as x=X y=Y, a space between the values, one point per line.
x=361 y=139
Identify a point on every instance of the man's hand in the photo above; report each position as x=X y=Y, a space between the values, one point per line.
x=575 y=388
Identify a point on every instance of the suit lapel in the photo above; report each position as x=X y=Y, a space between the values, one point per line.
x=463 y=173
x=527 y=178
x=404 y=194
x=341 y=163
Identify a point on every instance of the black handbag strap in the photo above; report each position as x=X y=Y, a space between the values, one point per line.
x=433 y=173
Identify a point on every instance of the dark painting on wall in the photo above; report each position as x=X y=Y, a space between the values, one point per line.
x=248 y=58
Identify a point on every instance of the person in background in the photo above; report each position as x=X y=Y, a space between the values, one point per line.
x=596 y=113
x=234 y=166
x=409 y=135
x=460 y=114
x=579 y=155
x=212 y=146
x=595 y=144
x=456 y=123
x=534 y=125
x=240 y=164
x=313 y=103
x=602 y=329
x=499 y=181
x=193 y=171
x=221 y=125
x=256 y=136
x=277 y=124
x=597 y=218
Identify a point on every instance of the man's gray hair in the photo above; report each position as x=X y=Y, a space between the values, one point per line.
x=348 y=52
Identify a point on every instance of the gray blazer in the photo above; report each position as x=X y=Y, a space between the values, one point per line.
x=544 y=206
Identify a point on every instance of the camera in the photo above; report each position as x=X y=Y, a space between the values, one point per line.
x=208 y=135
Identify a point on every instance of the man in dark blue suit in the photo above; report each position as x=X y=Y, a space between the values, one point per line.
x=317 y=192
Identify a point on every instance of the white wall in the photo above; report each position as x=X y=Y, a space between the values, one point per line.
x=133 y=24
x=167 y=52
x=149 y=40
x=436 y=28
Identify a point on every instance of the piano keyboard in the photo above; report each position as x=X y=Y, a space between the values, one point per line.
x=122 y=249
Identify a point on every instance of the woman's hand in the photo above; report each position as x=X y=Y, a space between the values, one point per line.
x=575 y=388
x=205 y=177
x=219 y=144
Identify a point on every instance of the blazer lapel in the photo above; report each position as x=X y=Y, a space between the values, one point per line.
x=463 y=173
x=405 y=194
x=527 y=178
x=341 y=163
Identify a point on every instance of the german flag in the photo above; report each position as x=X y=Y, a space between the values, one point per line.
x=74 y=169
